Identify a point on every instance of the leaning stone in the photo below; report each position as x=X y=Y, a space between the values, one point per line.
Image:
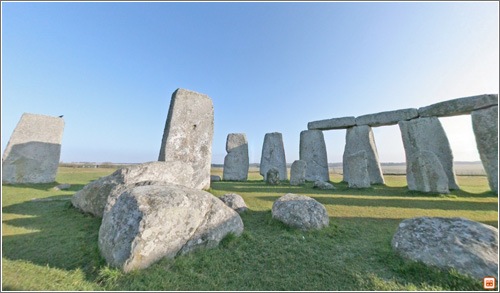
x=273 y=176
x=214 y=178
x=334 y=123
x=273 y=155
x=298 y=172
x=485 y=126
x=301 y=212
x=458 y=106
x=149 y=223
x=358 y=170
x=427 y=174
x=34 y=149
x=101 y=194
x=236 y=161
x=387 y=118
x=360 y=138
x=62 y=187
x=188 y=134
x=323 y=185
x=313 y=151
x=469 y=247
x=427 y=134
x=234 y=201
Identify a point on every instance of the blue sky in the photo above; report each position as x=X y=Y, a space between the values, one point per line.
x=110 y=69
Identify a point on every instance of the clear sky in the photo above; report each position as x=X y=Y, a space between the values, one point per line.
x=110 y=68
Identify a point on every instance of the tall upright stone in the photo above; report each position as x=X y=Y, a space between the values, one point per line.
x=485 y=126
x=313 y=151
x=34 y=149
x=273 y=155
x=236 y=161
x=359 y=176
x=427 y=134
x=188 y=133
x=360 y=138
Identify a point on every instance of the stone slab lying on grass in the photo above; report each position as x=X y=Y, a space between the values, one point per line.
x=148 y=223
x=323 y=185
x=301 y=212
x=467 y=246
x=234 y=201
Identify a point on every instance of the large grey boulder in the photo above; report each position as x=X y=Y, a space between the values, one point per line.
x=148 y=223
x=387 y=117
x=298 y=172
x=467 y=246
x=458 y=106
x=301 y=212
x=334 y=123
x=485 y=126
x=273 y=155
x=427 y=134
x=313 y=151
x=33 y=151
x=360 y=138
x=188 y=134
x=101 y=194
x=427 y=173
x=234 y=201
x=273 y=176
x=358 y=170
x=236 y=161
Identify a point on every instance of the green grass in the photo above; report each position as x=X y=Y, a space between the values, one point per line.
x=48 y=245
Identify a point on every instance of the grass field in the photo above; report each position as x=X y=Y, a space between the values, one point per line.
x=48 y=245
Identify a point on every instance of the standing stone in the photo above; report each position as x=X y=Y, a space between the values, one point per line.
x=428 y=173
x=485 y=126
x=313 y=152
x=236 y=161
x=34 y=149
x=427 y=134
x=273 y=155
x=188 y=133
x=273 y=176
x=358 y=170
x=298 y=172
x=360 y=138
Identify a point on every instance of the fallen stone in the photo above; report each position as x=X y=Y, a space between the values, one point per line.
x=301 y=212
x=334 y=123
x=236 y=161
x=358 y=170
x=458 y=106
x=323 y=185
x=298 y=172
x=387 y=118
x=273 y=176
x=313 y=151
x=273 y=155
x=234 y=201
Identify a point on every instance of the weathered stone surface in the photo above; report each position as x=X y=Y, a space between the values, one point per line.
x=236 y=161
x=64 y=186
x=427 y=173
x=427 y=134
x=34 y=149
x=301 y=212
x=101 y=194
x=458 y=106
x=334 y=123
x=273 y=176
x=485 y=126
x=313 y=151
x=360 y=138
x=188 y=134
x=214 y=178
x=298 y=172
x=358 y=170
x=323 y=185
x=469 y=247
x=234 y=201
x=273 y=155
x=149 y=223
x=387 y=118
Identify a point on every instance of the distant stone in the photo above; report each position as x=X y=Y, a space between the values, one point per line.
x=234 y=201
x=298 y=172
x=188 y=134
x=458 y=106
x=428 y=173
x=101 y=194
x=62 y=187
x=334 y=123
x=236 y=161
x=358 y=170
x=469 y=247
x=427 y=134
x=214 y=178
x=360 y=138
x=34 y=149
x=273 y=155
x=313 y=151
x=387 y=118
x=273 y=176
x=301 y=212
x=152 y=222
x=323 y=185
x=485 y=126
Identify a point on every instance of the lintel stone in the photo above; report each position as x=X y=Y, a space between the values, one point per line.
x=458 y=106
x=387 y=117
x=334 y=123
